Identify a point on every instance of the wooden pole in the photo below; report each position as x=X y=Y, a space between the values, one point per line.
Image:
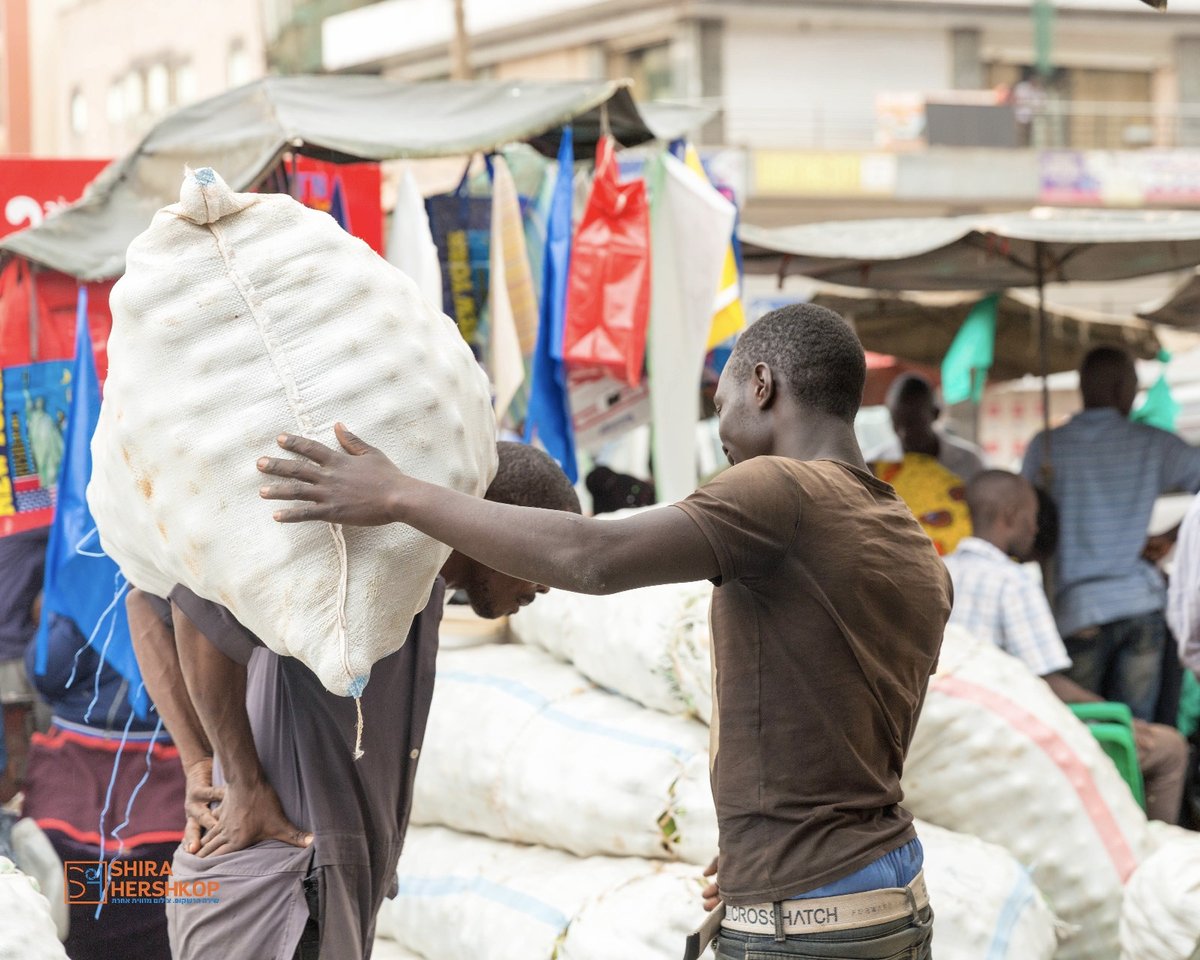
x=460 y=67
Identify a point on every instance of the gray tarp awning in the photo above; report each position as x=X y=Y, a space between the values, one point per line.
x=987 y=252
x=921 y=326
x=1181 y=309
x=243 y=133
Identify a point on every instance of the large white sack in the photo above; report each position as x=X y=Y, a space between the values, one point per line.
x=471 y=898
x=243 y=316
x=26 y=928
x=521 y=747
x=997 y=755
x=985 y=905
x=650 y=645
x=1161 y=916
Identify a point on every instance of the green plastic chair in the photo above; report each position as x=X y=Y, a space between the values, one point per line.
x=1112 y=726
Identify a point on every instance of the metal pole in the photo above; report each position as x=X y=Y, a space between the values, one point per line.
x=1043 y=338
x=460 y=68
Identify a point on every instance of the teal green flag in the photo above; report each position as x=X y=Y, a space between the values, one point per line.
x=965 y=367
x=1159 y=409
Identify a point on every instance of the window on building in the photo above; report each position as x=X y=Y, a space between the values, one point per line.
x=135 y=94
x=115 y=103
x=158 y=88
x=650 y=70
x=79 y=113
x=237 y=65
x=185 y=83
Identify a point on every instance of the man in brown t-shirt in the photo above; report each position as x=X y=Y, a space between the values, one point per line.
x=827 y=619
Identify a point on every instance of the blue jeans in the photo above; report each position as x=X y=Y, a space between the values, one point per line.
x=905 y=939
x=1122 y=661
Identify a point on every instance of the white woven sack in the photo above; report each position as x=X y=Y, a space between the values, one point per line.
x=470 y=898
x=521 y=747
x=1161 y=916
x=26 y=927
x=997 y=755
x=650 y=645
x=243 y=316
x=985 y=905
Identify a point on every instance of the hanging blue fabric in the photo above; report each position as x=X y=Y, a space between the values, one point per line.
x=81 y=582
x=549 y=413
x=337 y=205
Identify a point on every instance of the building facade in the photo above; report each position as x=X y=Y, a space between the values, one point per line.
x=16 y=122
x=859 y=107
x=98 y=98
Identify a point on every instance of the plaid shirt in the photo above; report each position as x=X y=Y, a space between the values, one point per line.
x=1106 y=474
x=998 y=599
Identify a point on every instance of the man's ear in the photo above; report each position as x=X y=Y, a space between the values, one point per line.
x=764 y=386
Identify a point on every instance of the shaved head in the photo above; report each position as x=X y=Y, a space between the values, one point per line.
x=1004 y=510
x=1108 y=378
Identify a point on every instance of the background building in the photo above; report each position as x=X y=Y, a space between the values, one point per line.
x=16 y=125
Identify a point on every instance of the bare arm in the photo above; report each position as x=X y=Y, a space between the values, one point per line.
x=154 y=644
x=360 y=486
x=250 y=810
x=1068 y=691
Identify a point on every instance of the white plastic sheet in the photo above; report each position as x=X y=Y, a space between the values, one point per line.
x=26 y=928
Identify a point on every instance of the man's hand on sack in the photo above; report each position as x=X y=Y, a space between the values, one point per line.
x=249 y=813
x=355 y=485
x=711 y=893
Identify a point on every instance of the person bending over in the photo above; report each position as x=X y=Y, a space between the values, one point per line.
x=303 y=840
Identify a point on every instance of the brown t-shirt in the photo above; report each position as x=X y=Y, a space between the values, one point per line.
x=826 y=621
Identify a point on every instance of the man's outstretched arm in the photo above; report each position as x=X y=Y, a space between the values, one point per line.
x=360 y=486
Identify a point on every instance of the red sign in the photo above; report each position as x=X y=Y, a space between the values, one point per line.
x=347 y=191
x=31 y=188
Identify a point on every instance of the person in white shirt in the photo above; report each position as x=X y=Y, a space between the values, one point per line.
x=1183 y=595
x=914 y=408
x=997 y=599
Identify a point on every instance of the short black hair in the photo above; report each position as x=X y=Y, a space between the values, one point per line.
x=989 y=493
x=910 y=386
x=529 y=477
x=816 y=353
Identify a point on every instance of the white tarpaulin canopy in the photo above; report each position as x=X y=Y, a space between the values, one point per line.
x=987 y=252
x=1180 y=309
x=243 y=133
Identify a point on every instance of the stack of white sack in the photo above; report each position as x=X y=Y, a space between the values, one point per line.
x=241 y=317
x=466 y=897
x=27 y=929
x=471 y=898
x=650 y=645
x=997 y=755
x=556 y=762
x=521 y=747
x=985 y=905
x=1161 y=916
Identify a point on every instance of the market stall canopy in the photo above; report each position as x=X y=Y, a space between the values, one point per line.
x=1181 y=309
x=921 y=326
x=986 y=252
x=243 y=133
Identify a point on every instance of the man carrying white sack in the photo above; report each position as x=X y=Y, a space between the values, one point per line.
x=995 y=599
x=304 y=840
x=827 y=620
